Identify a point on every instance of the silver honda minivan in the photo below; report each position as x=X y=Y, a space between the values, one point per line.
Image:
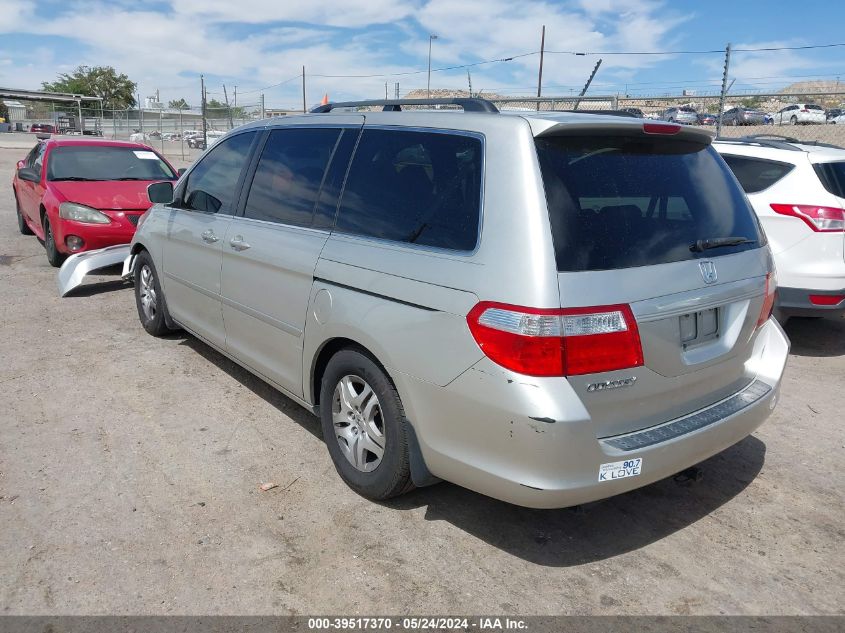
x=548 y=309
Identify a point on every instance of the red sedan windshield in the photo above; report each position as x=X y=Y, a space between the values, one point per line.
x=100 y=162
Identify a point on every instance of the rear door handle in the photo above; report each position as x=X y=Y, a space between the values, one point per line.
x=238 y=243
x=209 y=236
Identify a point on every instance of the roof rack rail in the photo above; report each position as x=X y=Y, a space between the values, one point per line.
x=766 y=140
x=779 y=142
x=395 y=105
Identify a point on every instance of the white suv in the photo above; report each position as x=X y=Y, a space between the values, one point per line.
x=798 y=192
x=796 y=113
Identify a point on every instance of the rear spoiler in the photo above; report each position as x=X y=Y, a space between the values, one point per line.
x=618 y=126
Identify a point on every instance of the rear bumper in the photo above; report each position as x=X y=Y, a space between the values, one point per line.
x=797 y=302
x=481 y=432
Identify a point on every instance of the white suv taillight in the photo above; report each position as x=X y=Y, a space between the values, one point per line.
x=821 y=219
x=557 y=342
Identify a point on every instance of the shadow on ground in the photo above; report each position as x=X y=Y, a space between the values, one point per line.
x=559 y=538
x=816 y=337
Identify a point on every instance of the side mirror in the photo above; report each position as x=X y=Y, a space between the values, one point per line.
x=181 y=170
x=28 y=173
x=160 y=192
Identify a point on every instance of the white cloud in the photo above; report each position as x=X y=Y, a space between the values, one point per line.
x=166 y=50
x=348 y=13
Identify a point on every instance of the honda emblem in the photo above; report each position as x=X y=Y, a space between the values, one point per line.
x=708 y=271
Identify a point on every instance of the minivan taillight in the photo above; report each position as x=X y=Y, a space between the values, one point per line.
x=768 y=299
x=557 y=342
x=820 y=219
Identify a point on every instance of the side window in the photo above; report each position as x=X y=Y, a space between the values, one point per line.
x=211 y=185
x=30 y=158
x=330 y=194
x=755 y=174
x=289 y=174
x=38 y=162
x=414 y=187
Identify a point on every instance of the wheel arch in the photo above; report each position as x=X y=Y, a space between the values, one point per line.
x=420 y=474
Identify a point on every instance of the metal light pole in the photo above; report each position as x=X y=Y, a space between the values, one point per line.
x=431 y=38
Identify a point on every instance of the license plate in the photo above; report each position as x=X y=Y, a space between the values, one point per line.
x=620 y=470
x=698 y=327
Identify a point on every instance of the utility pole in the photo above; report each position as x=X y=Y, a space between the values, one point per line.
x=542 y=52
x=304 y=107
x=236 y=97
x=469 y=82
x=724 y=90
x=262 y=106
x=204 y=122
x=140 y=114
x=385 y=91
x=431 y=38
x=587 y=85
x=397 y=90
x=228 y=109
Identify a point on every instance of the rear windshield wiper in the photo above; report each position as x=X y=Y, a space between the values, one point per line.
x=699 y=246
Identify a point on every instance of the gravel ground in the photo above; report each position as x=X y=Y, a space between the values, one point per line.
x=130 y=466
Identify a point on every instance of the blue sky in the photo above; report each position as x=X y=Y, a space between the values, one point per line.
x=352 y=48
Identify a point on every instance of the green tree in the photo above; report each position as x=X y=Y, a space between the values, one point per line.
x=116 y=90
x=178 y=104
x=217 y=108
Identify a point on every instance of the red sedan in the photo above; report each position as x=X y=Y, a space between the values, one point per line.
x=80 y=195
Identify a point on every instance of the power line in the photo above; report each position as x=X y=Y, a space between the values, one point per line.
x=531 y=53
x=434 y=70
x=704 y=52
x=281 y=83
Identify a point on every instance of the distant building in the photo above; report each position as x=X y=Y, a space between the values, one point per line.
x=17 y=111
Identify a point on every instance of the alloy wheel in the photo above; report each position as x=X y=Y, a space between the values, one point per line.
x=148 y=293
x=358 y=423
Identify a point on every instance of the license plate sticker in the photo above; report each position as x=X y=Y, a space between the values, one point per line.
x=620 y=470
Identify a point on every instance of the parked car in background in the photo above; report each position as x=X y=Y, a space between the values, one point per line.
x=680 y=114
x=340 y=258
x=839 y=120
x=832 y=113
x=705 y=118
x=77 y=195
x=798 y=192
x=139 y=137
x=198 y=142
x=800 y=114
x=769 y=119
x=44 y=128
x=635 y=111
x=743 y=116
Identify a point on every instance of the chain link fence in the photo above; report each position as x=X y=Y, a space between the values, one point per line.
x=818 y=117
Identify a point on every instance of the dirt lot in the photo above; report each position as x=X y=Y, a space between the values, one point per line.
x=129 y=473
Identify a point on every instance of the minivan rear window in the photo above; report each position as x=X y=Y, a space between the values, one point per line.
x=832 y=176
x=621 y=202
x=416 y=187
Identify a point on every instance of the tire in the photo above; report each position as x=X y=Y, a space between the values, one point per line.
x=23 y=227
x=149 y=299
x=793 y=120
x=55 y=258
x=771 y=122
x=377 y=421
